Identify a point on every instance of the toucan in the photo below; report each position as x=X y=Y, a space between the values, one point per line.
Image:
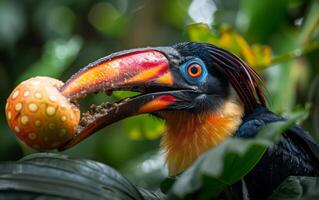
x=205 y=95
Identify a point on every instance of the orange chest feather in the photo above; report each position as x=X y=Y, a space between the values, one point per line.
x=189 y=135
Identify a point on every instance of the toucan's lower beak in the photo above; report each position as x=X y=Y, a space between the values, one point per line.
x=145 y=70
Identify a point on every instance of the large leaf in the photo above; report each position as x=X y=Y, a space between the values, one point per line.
x=226 y=164
x=147 y=170
x=55 y=175
x=297 y=187
x=220 y=167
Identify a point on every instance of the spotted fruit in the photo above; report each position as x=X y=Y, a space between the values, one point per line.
x=40 y=115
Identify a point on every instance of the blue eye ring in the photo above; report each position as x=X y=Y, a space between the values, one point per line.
x=194 y=70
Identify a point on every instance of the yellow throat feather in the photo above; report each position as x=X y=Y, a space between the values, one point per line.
x=191 y=134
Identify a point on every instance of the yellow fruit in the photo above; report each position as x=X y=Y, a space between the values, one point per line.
x=40 y=115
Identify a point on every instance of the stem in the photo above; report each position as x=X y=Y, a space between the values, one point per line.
x=295 y=53
x=305 y=38
x=311 y=24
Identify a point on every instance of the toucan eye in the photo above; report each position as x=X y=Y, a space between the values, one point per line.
x=194 y=70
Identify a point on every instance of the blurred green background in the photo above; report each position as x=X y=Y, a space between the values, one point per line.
x=57 y=38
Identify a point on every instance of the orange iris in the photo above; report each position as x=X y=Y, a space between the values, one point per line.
x=194 y=70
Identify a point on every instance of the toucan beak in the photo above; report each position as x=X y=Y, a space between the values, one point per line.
x=144 y=70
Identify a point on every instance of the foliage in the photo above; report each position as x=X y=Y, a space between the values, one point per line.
x=142 y=126
x=57 y=38
x=57 y=55
x=53 y=175
x=257 y=56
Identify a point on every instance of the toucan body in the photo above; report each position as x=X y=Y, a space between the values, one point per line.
x=205 y=94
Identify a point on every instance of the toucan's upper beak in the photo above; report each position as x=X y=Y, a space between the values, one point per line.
x=144 y=70
x=120 y=71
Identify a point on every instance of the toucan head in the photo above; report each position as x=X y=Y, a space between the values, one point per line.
x=202 y=91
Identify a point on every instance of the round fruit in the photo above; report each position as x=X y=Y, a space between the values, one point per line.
x=39 y=115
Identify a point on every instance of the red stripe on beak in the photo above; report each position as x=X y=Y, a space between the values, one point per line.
x=157 y=104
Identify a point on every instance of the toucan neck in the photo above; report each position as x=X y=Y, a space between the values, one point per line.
x=190 y=134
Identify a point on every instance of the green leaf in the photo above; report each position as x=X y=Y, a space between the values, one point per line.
x=54 y=175
x=224 y=165
x=152 y=195
x=256 y=55
x=297 y=187
x=167 y=184
x=175 y=12
x=57 y=56
x=12 y=23
x=142 y=126
x=261 y=19
x=108 y=19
